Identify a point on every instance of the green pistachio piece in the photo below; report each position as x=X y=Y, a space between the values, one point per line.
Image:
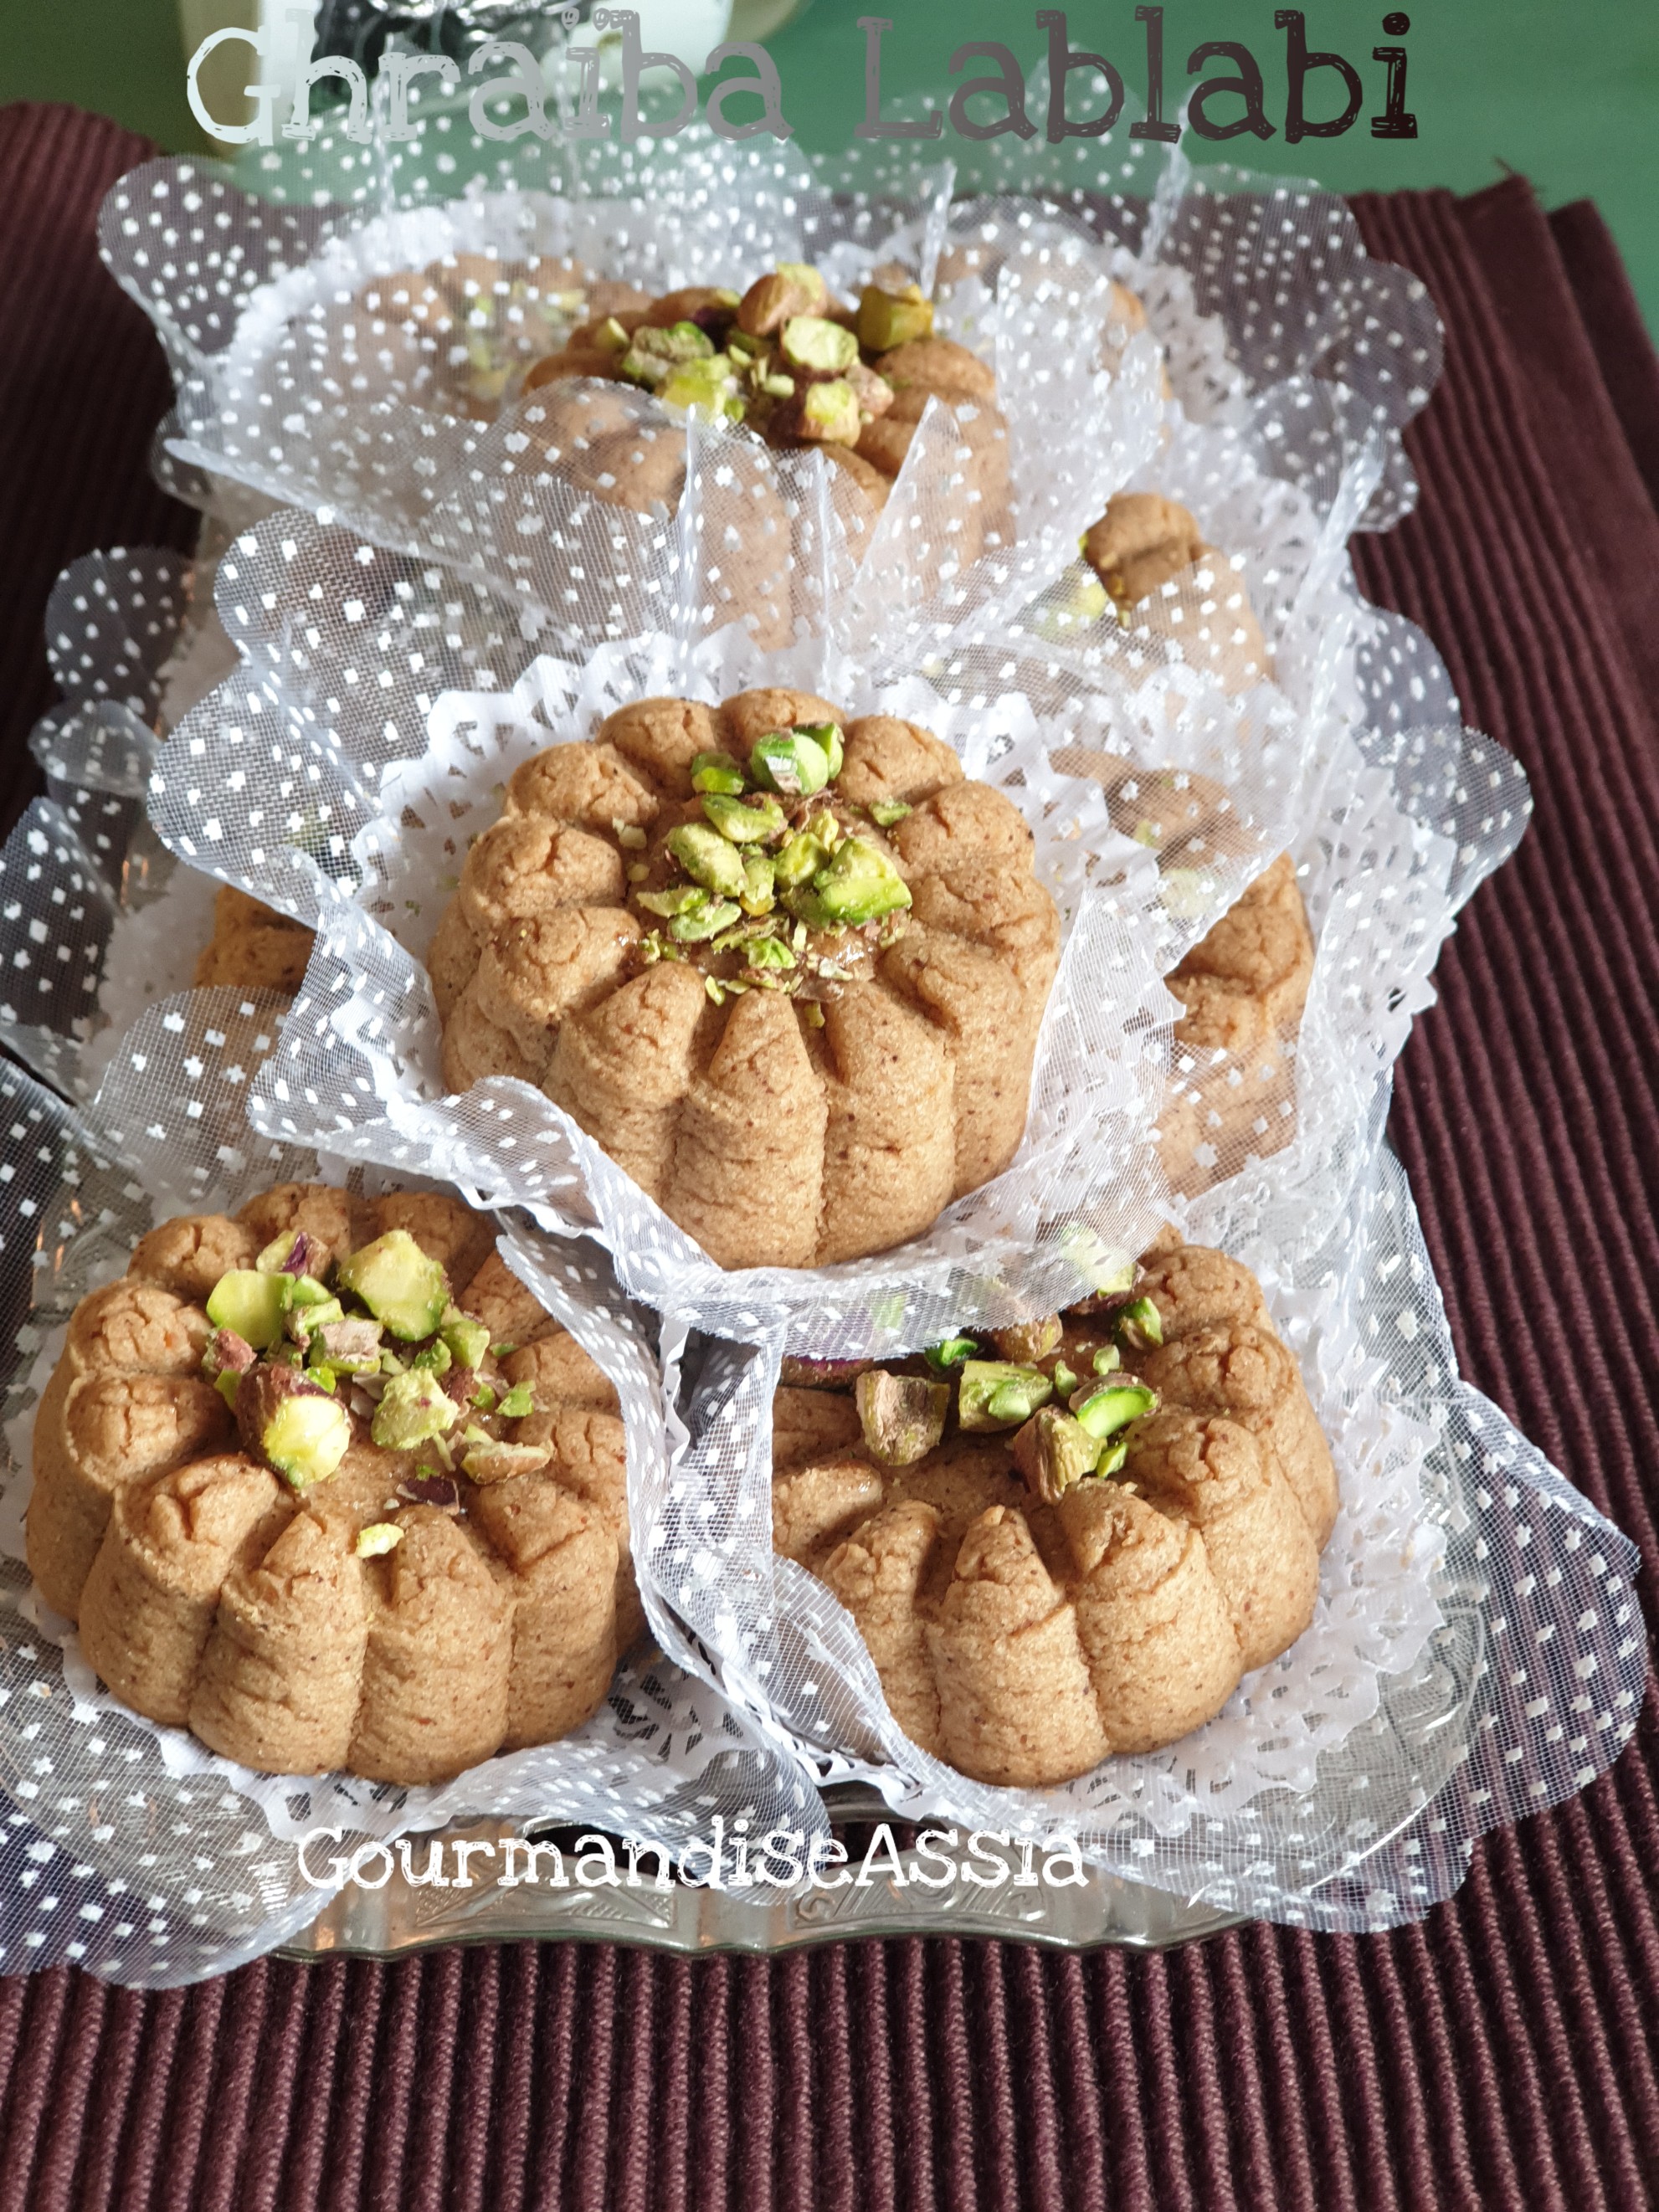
x=1139 y=1325
x=224 y=1383
x=744 y=820
x=903 y=1415
x=516 y=1403
x=697 y=927
x=760 y=888
x=829 y=735
x=830 y=414
x=1054 y=1453
x=301 y=1323
x=306 y=1290
x=1104 y=1270
x=858 y=885
x=717 y=772
x=1065 y=1378
x=611 y=337
x=401 y=1287
x=682 y=898
x=494 y=1461
x=768 y=954
x=1105 y=1407
x=468 y=1340
x=1112 y=1458
x=799 y=862
x=776 y=386
x=436 y=1358
x=414 y=1409
x=994 y=1393
x=791 y=762
x=291 y=1423
x=250 y=1303
x=942 y=1358
x=350 y=1347
x=887 y=319
x=1029 y=1341
x=810 y=342
x=708 y=386
x=1107 y=1360
x=803 y=274
x=708 y=858
x=378 y=1538
x=653 y=356
x=885 y=812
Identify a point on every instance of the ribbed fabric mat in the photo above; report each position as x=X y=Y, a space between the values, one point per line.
x=1499 y=2054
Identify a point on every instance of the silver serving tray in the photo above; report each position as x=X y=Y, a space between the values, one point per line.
x=404 y=1917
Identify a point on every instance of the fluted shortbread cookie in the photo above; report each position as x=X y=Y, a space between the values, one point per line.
x=802 y=369
x=788 y=970
x=1073 y=1539
x=305 y=1502
x=253 y=946
x=1145 y=543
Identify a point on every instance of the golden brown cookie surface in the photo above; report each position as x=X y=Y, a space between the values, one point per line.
x=792 y=986
x=1089 y=1563
x=385 y=1530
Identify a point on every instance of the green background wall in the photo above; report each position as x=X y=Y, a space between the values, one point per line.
x=1565 y=90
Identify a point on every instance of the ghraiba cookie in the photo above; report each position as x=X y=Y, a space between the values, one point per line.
x=253 y=947
x=322 y=1483
x=1072 y=1538
x=803 y=370
x=1160 y=577
x=786 y=967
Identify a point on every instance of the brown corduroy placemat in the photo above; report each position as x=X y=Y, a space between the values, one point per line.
x=1501 y=2053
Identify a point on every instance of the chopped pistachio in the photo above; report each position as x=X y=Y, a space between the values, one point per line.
x=1102 y=1268
x=469 y=1340
x=484 y=1399
x=830 y=413
x=414 y=1409
x=1107 y=1360
x=629 y=836
x=1054 y=1453
x=812 y=1013
x=703 y=922
x=707 y=386
x=768 y=953
x=951 y=1353
x=744 y=820
x=1065 y=1378
x=994 y=1394
x=1113 y=1456
x=1029 y=1341
x=717 y=772
x=291 y=1423
x=492 y=1461
x=885 y=812
x=715 y=990
x=301 y=1323
x=1139 y=1325
x=790 y=761
x=251 y=1304
x=399 y=1284
x=653 y=356
x=858 y=884
x=887 y=319
x=502 y=1351
x=1105 y=1407
x=378 y=1538
x=434 y=1358
x=516 y=1403
x=679 y=898
x=903 y=1415
x=799 y=861
x=759 y=880
x=611 y=337
x=295 y=1252
x=778 y=386
x=708 y=858
x=638 y=874
x=810 y=342
x=827 y=734
x=224 y=1383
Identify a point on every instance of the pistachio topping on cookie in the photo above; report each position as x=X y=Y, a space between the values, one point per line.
x=309 y=1369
